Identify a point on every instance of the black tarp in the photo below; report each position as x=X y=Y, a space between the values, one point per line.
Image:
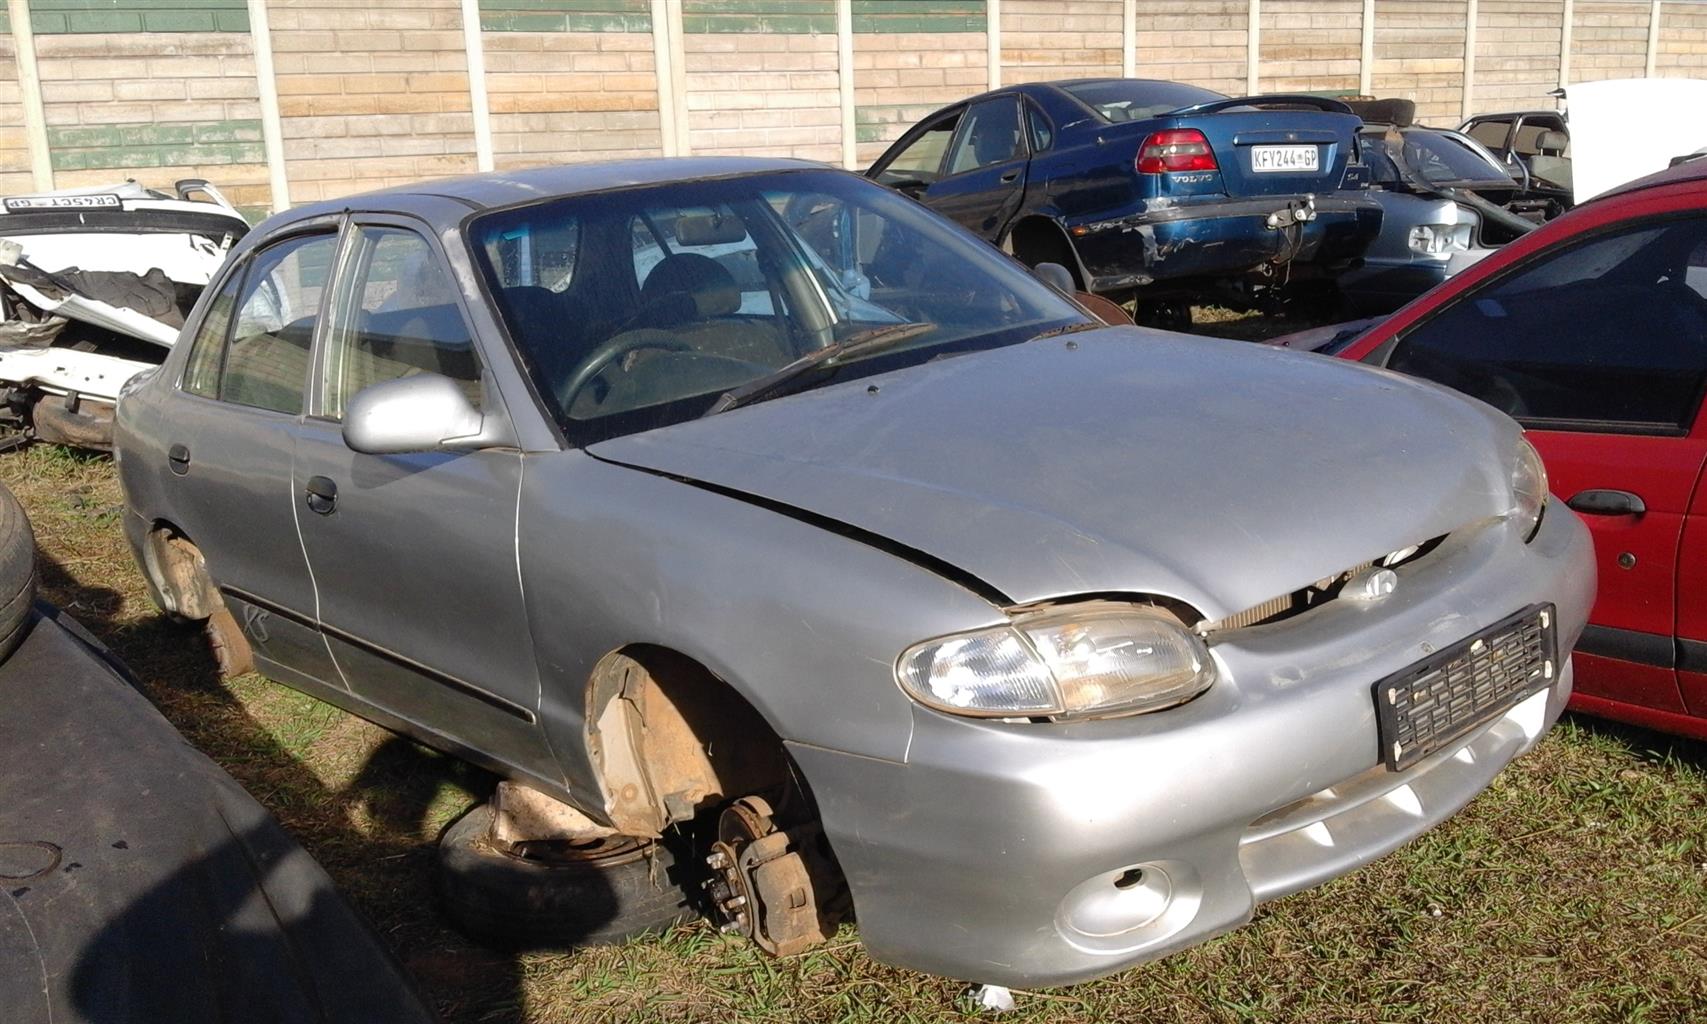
x=142 y=884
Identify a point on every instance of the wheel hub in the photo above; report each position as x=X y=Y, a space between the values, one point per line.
x=762 y=880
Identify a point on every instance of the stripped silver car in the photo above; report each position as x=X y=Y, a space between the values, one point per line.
x=750 y=502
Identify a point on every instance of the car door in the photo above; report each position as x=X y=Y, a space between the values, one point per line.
x=914 y=162
x=983 y=181
x=1599 y=348
x=414 y=555
x=229 y=430
x=1692 y=601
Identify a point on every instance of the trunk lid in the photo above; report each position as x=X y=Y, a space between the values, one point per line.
x=1267 y=152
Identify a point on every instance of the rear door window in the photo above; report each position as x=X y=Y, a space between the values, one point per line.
x=266 y=361
x=207 y=351
x=922 y=159
x=1608 y=334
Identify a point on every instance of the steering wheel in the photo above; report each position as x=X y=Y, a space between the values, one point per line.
x=612 y=350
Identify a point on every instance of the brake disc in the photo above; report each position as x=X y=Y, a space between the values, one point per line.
x=762 y=879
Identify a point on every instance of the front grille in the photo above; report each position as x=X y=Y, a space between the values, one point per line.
x=1428 y=705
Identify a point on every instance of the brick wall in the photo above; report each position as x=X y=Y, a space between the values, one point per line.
x=1045 y=39
x=762 y=78
x=370 y=95
x=570 y=81
x=910 y=59
x=1419 y=53
x=1683 y=42
x=157 y=92
x=1517 y=54
x=14 y=145
x=1610 y=40
x=1310 y=45
x=1197 y=41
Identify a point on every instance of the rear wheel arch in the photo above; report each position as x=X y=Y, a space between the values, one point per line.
x=1038 y=239
x=669 y=739
x=176 y=573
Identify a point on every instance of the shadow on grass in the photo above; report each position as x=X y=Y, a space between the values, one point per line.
x=1642 y=742
x=385 y=870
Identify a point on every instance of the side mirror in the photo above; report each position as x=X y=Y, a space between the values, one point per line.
x=1055 y=276
x=424 y=413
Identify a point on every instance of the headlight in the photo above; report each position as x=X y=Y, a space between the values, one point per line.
x=1438 y=239
x=1528 y=489
x=1095 y=661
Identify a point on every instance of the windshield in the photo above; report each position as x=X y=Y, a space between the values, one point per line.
x=1435 y=157
x=1131 y=99
x=638 y=308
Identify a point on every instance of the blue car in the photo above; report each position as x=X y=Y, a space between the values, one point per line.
x=1148 y=190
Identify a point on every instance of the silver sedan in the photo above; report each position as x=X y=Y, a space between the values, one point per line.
x=748 y=505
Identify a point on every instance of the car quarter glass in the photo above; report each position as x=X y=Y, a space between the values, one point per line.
x=207 y=351
x=266 y=359
x=394 y=315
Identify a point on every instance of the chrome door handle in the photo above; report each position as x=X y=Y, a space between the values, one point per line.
x=1598 y=502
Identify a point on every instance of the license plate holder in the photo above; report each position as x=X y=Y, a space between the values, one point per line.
x=1285 y=159
x=1427 y=706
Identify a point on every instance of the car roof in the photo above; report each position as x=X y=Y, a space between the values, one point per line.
x=503 y=188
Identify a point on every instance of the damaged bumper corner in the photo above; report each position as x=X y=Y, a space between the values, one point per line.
x=1042 y=855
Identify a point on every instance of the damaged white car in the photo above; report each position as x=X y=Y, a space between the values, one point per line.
x=94 y=285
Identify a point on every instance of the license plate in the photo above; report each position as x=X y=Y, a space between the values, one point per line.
x=104 y=201
x=1270 y=159
x=1425 y=707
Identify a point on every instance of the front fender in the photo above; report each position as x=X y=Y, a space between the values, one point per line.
x=804 y=623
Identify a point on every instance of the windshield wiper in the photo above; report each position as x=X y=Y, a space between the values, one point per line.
x=1055 y=332
x=781 y=381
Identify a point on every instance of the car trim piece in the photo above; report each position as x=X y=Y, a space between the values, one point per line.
x=923 y=559
x=1691 y=655
x=1633 y=646
x=465 y=688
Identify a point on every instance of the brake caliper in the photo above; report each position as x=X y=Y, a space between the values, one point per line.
x=767 y=882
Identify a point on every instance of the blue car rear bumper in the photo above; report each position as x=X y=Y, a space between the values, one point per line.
x=1223 y=237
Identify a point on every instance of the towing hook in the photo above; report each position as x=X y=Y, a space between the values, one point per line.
x=1298 y=211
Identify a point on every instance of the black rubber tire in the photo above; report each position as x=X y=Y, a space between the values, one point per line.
x=511 y=902
x=17 y=572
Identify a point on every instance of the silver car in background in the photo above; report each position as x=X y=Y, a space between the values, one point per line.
x=752 y=502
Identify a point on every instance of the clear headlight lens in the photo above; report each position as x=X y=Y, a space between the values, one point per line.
x=1097 y=661
x=1438 y=239
x=1528 y=489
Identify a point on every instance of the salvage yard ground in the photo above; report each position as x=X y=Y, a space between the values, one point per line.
x=1573 y=890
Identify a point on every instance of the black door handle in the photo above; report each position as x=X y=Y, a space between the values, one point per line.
x=1607 y=503
x=1010 y=177
x=322 y=494
x=178 y=458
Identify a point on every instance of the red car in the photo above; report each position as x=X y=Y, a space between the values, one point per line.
x=1592 y=332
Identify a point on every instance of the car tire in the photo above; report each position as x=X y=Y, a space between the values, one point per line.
x=17 y=572
x=602 y=893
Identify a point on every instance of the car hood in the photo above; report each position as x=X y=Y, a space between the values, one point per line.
x=1121 y=460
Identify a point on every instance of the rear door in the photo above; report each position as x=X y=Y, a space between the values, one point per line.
x=1600 y=349
x=983 y=180
x=229 y=431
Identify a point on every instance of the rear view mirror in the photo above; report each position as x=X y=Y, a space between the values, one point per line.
x=710 y=229
x=423 y=413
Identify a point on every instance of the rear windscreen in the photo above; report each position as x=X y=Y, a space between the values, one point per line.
x=1126 y=99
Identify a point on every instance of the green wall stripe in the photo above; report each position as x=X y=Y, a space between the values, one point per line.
x=566 y=15
x=870 y=16
x=62 y=17
x=787 y=17
x=88 y=147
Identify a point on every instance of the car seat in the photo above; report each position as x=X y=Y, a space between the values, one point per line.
x=696 y=299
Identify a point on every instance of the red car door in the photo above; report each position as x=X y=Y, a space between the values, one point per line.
x=1692 y=609
x=1593 y=333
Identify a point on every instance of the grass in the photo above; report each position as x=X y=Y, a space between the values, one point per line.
x=1575 y=889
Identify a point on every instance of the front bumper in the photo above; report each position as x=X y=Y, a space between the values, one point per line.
x=1021 y=854
x=1219 y=236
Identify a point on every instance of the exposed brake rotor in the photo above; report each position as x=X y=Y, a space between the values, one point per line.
x=765 y=882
